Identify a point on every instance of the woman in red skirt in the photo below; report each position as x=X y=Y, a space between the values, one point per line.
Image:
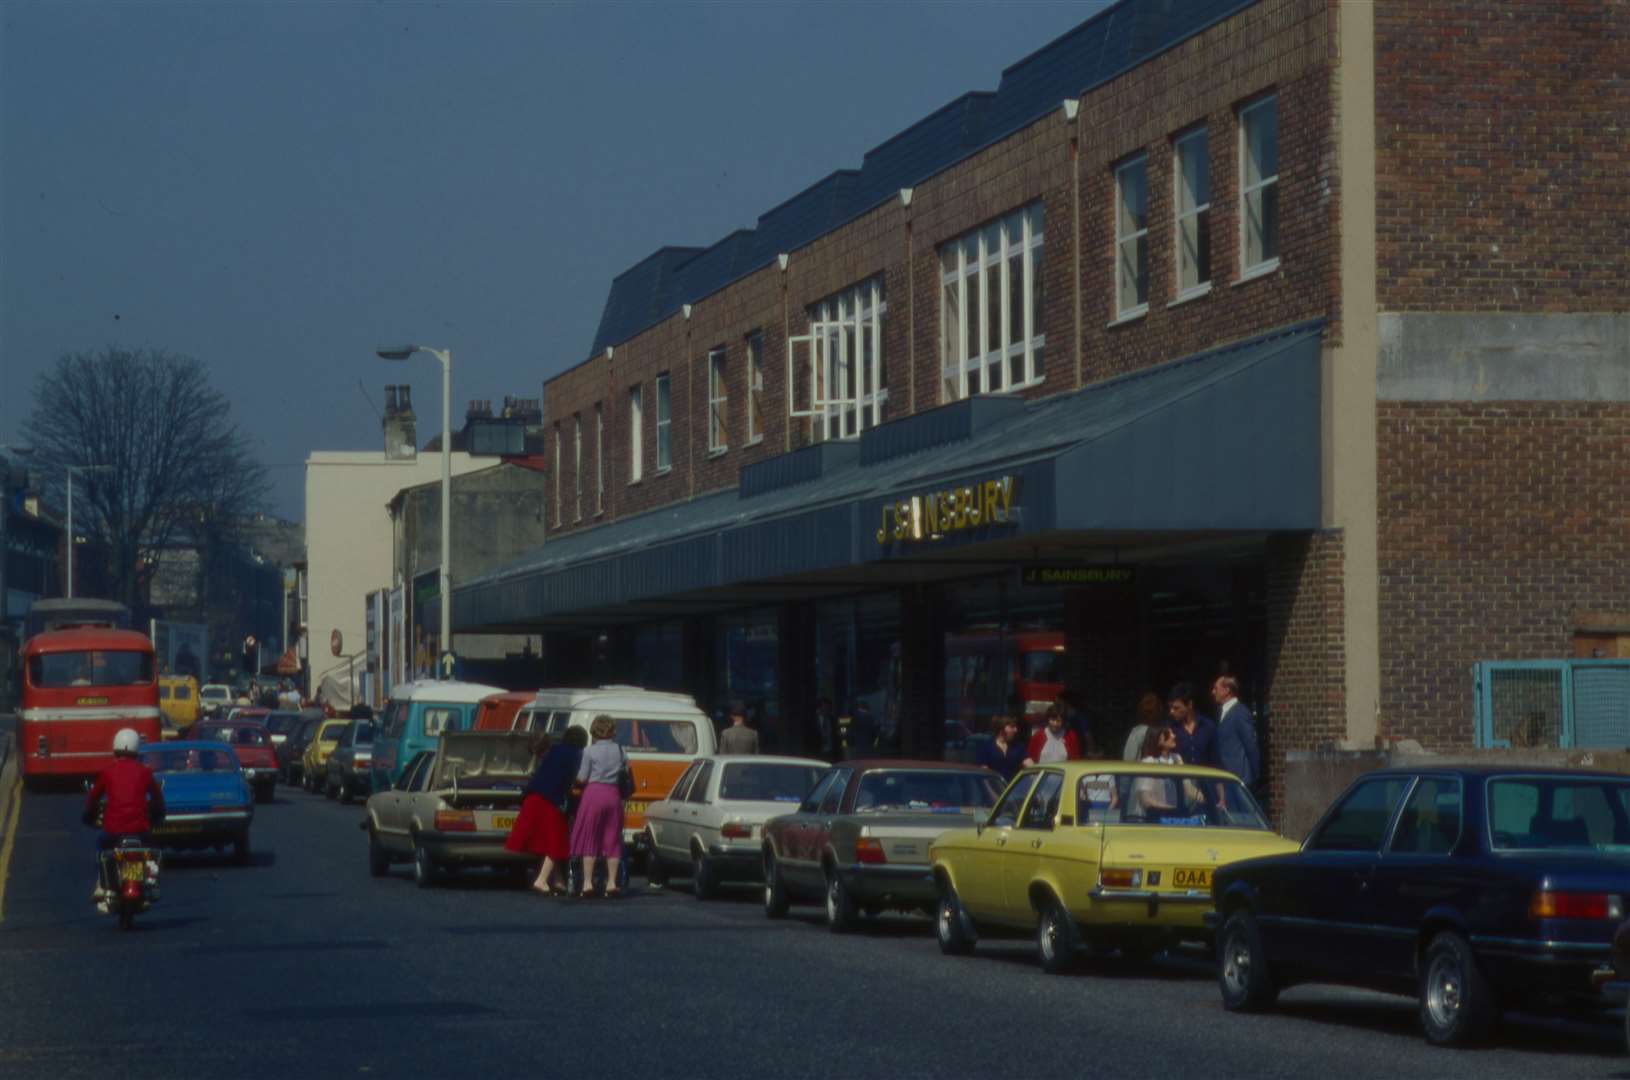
x=540 y=829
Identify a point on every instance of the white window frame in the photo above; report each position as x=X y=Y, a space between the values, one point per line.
x=755 y=387
x=636 y=433
x=665 y=419
x=577 y=466
x=1003 y=257
x=560 y=466
x=1131 y=240
x=1255 y=186
x=599 y=459
x=1191 y=226
x=718 y=403
x=848 y=375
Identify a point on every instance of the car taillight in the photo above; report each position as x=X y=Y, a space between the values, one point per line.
x=1120 y=879
x=868 y=850
x=737 y=831
x=1568 y=905
x=455 y=821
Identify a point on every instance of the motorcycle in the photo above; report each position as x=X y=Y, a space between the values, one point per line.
x=129 y=881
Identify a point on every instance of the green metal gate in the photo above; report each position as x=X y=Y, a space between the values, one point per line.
x=1566 y=704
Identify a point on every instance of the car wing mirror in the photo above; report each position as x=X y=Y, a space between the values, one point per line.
x=980 y=820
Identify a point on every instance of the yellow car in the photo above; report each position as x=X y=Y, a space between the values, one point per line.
x=1097 y=854
x=178 y=700
x=314 y=763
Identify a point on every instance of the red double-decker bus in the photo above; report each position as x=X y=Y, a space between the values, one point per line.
x=79 y=687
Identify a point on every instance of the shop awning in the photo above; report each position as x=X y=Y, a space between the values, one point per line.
x=1226 y=441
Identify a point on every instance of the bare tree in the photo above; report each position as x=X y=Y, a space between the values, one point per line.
x=176 y=463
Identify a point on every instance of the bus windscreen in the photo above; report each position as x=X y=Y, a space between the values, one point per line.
x=94 y=667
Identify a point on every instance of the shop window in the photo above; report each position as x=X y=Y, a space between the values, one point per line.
x=755 y=387
x=1132 y=238
x=991 y=329
x=1259 y=187
x=1192 y=177
x=858 y=669
x=749 y=648
x=718 y=400
x=636 y=434
x=843 y=351
x=664 y=425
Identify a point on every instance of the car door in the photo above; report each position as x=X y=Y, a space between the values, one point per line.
x=1419 y=871
x=394 y=814
x=690 y=814
x=1030 y=841
x=663 y=816
x=810 y=837
x=1319 y=906
x=787 y=832
x=979 y=883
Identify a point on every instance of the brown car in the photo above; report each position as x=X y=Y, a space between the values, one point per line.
x=860 y=837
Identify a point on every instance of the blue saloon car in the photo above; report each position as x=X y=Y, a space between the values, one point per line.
x=207 y=802
x=1477 y=889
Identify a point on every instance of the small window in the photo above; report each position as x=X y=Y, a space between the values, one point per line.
x=682 y=786
x=1430 y=823
x=833 y=799
x=163 y=692
x=698 y=789
x=664 y=425
x=1132 y=238
x=1006 y=814
x=755 y=387
x=183 y=693
x=1359 y=823
x=1192 y=174
x=1259 y=186
x=718 y=399
x=439 y=720
x=812 y=801
x=1042 y=809
x=636 y=435
x=414 y=777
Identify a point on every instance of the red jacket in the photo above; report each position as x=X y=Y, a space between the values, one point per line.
x=1072 y=744
x=128 y=784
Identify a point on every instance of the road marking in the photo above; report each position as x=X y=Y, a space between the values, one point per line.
x=11 y=839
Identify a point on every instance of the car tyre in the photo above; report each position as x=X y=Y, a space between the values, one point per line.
x=379 y=862
x=240 y=849
x=424 y=867
x=330 y=789
x=1457 y=1004
x=776 y=900
x=1243 y=976
x=842 y=913
x=656 y=872
x=345 y=793
x=704 y=881
x=1058 y=945
x=953 y=925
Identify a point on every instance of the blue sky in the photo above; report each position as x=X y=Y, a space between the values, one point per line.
x=275 y=188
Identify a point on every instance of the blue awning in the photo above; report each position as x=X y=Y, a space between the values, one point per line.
x=1226 y=441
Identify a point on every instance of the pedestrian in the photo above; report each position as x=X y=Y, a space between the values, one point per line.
x=1005 y=753
x=1075 y=719
x=597 y=829
x=1148 y=715
x=738 y=738
x=1154 y=794
x=540 y=828
x=1196 y=735
x=826 y=728
x=1053 y=741
x=1236 y=732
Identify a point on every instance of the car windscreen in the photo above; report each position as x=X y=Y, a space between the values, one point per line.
x=754 y=781
x=177 y=759
x=281 y=723
x=1559 y=812
x=91 y=667
x=244 y=735
x=331 y=732
x=924 y=790
x=215 y=693
x=656 y=736
x=1166 y=799
x=364 y=736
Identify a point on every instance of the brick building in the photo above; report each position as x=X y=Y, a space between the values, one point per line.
x=1289 y=336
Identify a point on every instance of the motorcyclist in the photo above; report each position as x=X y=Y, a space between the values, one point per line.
x=135 y=801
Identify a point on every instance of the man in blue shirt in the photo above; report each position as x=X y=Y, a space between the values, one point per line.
x=1196 y=735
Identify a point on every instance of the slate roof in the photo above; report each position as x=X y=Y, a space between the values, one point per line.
x=1103 y=47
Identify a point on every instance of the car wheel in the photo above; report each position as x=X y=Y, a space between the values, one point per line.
x=1242 y=966
x=330 y=789
x=1457 y=1005
x=842 y=913
x=1057 y=943
x=656 y=874
x=702 y=880
x=775 y=890
x=240 y=849
x=379 y=863
x=305 y=781
x=127 y=916
x=424 y=867
x=345 y=792
x=953 y=926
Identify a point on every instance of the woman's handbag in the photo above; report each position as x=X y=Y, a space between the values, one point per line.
x=625 y=780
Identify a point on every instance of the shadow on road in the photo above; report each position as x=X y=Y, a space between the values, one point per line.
x=1400 y=1017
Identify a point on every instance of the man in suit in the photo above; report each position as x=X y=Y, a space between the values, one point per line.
x=1236 y=732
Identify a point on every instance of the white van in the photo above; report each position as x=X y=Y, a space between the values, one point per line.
x=661 y=732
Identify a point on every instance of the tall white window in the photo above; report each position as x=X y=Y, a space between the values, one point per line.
x=718 y=399
x=664 y=425
x=560 y=466
x=848 y=380
x=1132 y=238
x=991 y=329
x=599 y=459
x=1192 y=174
x=1259 y=186
x=636 y=433
x=577 y=467
x=755 y=387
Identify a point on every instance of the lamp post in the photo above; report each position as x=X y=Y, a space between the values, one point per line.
x=402 y=352
x=69 y=592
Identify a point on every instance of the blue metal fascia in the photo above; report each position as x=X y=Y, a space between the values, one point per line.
x=940 y=426
x=797 y=467
x=816 y=540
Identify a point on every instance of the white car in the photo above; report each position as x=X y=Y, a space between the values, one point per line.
x=213 y=698
x=711 y=823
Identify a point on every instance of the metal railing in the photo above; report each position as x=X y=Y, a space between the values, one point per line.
x=1565 y=704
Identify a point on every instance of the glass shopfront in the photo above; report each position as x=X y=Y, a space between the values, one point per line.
x=1005 y=654
x=858 y=670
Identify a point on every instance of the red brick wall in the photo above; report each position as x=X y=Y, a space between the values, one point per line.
x=1500 y=522
x=1502 y=157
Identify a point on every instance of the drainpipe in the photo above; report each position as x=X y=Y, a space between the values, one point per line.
x=1072 y=115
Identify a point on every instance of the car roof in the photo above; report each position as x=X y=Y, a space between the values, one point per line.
x=184 y=744
x=623 y=700
x=1475 y=771
x=868 y=764
x=452 y=693
x=1142 y=768
x=763 y=759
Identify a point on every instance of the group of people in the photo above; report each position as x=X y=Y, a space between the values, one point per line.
x=573 y=809
x=1179 y=734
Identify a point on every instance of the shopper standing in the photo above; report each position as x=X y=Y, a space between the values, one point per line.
x=597 y=830
x=738 y=738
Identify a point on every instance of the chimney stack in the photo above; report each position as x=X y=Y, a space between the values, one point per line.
x=401 y=428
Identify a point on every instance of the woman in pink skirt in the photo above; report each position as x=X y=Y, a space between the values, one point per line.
x=597 y=830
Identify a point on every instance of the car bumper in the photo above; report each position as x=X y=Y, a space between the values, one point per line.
x=260 y=774
x=202 y=830
x=1531 y=967
x=732 y=862
x=906 y=884
x=479 y=849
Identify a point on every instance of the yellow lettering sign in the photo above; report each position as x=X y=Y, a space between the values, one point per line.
x=936 y=514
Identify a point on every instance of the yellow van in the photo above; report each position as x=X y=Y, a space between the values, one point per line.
x=178 y=699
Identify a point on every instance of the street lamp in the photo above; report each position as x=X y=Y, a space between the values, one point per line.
x=71 y=470
x=402 y=352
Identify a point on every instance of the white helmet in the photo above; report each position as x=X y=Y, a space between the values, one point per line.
x=126 y=742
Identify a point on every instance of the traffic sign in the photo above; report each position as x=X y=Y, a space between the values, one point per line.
x=249 y=642
x=448 y=665
x=336 y=643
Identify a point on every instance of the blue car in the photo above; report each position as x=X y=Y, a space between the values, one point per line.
x=1475 y=889
x=207 y=802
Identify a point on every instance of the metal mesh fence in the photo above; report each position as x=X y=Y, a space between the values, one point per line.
x=1526 y=706
x=1601 y=707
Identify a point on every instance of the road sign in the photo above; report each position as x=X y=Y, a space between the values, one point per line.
x=448 y=665
x=249 y=642
x=336 y=643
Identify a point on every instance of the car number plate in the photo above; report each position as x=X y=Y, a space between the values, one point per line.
x=1191 y=877
x=632 y=807
x=503 y=821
